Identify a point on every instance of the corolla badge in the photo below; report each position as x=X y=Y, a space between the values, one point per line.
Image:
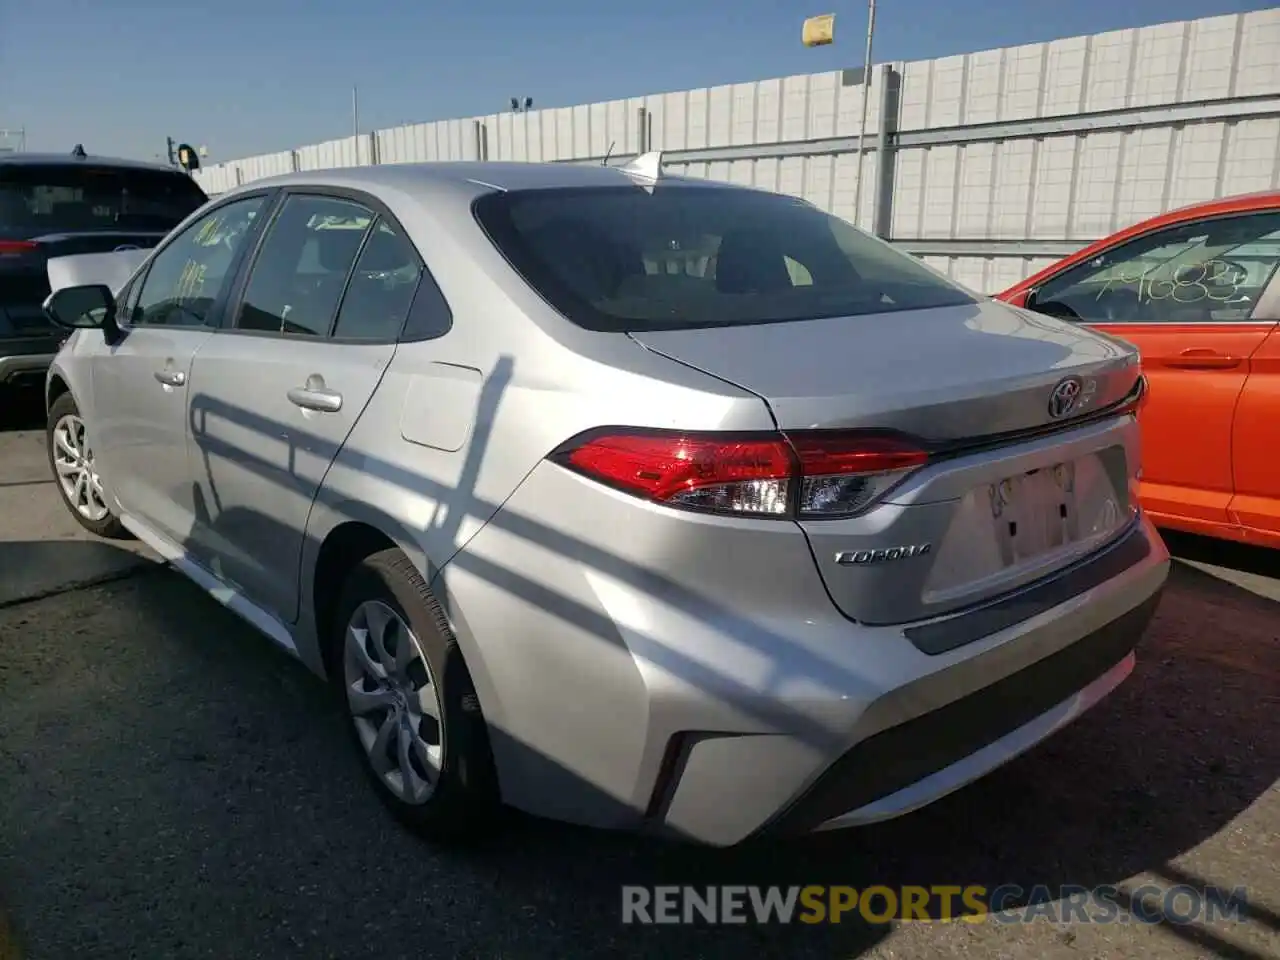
x=1063 y=399
x=858 y=558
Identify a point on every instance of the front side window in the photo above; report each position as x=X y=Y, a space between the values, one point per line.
x=188 y=276
x=1211 y=271
x=42 y=199
x=301 y=270
x=129 y=298
x=627 y=259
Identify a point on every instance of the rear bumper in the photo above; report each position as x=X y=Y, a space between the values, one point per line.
x=1007 y=692
x=620 y=694
x=911 y=765
x=26 y=358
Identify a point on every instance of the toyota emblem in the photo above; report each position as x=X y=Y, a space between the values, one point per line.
x=1063 y=399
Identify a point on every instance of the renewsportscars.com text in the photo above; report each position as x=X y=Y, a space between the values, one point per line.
x=973 y=903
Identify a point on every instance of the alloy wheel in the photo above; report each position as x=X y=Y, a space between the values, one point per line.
x=76 y=469
x=394 y=701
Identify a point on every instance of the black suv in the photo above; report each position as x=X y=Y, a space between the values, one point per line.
x=55 y=205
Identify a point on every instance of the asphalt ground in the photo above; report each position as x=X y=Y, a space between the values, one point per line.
x=173 y=786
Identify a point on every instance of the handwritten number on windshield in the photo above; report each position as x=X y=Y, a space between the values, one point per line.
x=1214 y=280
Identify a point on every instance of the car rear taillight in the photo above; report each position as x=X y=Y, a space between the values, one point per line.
x=811 y=474
x=14 y=248
x=844 y=473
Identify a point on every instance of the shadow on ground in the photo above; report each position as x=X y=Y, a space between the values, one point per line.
x=1243 y=558
x=21 y=408
x=171 y=785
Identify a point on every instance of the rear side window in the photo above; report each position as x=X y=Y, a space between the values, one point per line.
x=37 y=199
x=627 y=259
x=381 y=289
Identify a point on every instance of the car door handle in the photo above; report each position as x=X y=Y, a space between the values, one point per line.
x=1199 y=359
x=171 y=378
x=308 y=398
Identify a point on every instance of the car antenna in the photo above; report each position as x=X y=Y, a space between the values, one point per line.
x=608 y=153
x=647 y=168
x=78 y=151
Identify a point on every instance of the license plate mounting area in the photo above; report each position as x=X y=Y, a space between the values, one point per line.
x=1035 y=512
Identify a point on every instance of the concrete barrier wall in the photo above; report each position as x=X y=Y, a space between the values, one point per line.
x=988 y=165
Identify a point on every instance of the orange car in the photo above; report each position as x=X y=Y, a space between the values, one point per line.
x=1198 y=292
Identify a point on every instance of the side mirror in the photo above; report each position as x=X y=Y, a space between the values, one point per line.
x=90 y=307
x=1029 y=298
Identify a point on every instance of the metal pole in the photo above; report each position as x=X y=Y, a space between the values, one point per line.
x=882 y=205
x=866 y=86
x=355 y=121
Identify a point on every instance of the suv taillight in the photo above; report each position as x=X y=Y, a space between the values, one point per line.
x=11 y=248
x=812 y=474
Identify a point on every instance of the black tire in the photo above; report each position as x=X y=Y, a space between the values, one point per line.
x=110 y=525
x=464 y=805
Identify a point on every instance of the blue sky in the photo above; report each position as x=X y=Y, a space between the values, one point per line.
x=250 y=76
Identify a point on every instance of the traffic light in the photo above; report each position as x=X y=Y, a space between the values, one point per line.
x=188 y=159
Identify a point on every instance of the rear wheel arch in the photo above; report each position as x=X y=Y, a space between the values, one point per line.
x=353 y=532
x=343 y=549
x=466 y=795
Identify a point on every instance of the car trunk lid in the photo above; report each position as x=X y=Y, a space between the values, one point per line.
x=945 y=374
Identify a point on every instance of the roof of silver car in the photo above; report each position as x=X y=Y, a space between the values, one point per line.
x=497 y=175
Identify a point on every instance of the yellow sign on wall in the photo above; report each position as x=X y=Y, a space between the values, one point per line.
x=819 y=31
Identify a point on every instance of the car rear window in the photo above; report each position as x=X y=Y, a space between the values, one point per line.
x=38 y=199
x=634 y=259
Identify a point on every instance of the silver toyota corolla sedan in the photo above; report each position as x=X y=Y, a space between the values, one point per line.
x=619 y=498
